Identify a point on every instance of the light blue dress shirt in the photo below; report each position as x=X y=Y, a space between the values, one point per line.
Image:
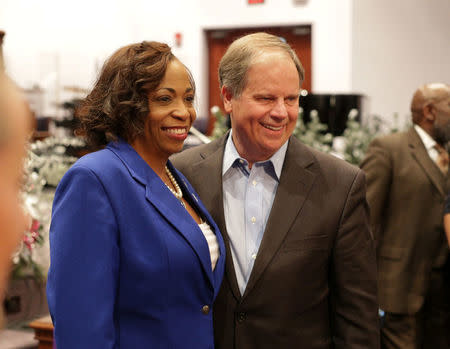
x=247 y=200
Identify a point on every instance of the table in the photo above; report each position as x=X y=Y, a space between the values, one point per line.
x=43 y=331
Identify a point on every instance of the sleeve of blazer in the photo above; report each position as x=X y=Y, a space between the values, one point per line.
x=354 y=276
x=82 y=281
x=378 y=170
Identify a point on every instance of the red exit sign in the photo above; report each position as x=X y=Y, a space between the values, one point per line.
x=251 y=2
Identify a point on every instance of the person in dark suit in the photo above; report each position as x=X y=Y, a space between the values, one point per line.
x=15 y=127
x=136 y=260
x=406 y=187
x=301 y=268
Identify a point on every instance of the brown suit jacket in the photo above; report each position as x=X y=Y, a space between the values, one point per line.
x=406 y=192
x=313 y=284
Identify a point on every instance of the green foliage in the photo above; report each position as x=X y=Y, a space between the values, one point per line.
x=24 y=263
x=357 y=138
x=351 y=146
x=220 y=125
x=314 y=133
x=47 y=162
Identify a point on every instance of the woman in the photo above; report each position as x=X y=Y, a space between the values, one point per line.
x=133 y=264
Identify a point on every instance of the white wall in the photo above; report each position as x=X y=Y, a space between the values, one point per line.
x=331 y=32
x=398 y=46
x=61 y=43
x=384 y=49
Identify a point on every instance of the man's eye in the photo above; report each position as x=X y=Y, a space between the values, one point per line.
x=292 y=100
x=190 y=99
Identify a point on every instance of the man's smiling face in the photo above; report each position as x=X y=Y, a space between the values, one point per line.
x=264 y=116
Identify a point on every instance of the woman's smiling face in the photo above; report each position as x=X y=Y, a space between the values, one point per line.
x=172 y=112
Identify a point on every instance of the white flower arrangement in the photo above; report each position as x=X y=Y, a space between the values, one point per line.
x=46 y=163
x=351 y=146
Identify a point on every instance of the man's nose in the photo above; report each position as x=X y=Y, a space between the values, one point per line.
x=279 y=109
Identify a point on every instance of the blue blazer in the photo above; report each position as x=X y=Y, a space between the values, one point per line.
x=130 y=268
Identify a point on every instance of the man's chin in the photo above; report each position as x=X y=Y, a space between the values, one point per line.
x=442 y=135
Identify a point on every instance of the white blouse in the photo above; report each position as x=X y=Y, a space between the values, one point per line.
x=212 y=243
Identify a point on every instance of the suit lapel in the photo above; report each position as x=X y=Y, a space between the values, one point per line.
x=420 y=154
x=158 y=195
x=295 y=184
x=170 y=207
x=207 y=174
x=217 y=273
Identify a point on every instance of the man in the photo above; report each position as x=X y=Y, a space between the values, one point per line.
x=301 y=268
x=14 y=119
x=406 y=187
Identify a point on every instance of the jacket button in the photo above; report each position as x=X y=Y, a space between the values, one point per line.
x=205 y=309
x=241 y=316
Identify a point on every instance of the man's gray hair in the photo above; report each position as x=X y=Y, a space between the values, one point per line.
x=241 y=54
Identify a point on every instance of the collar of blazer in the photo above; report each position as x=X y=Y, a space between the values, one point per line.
x=420 y=154
x=296 y=181
x=169 y=206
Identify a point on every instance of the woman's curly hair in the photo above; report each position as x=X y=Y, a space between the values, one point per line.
x=118 y=104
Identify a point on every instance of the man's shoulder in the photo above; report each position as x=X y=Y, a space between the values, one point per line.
x=393 y=140
x=192 y=155
x=327 y=163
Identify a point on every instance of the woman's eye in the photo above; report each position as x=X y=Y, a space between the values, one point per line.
x=164 y=99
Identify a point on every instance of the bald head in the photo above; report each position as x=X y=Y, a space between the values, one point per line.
x=426 y=95
x=430 y=108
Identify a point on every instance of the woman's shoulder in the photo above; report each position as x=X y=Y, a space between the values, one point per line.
x=100 y=159
x=102 y=164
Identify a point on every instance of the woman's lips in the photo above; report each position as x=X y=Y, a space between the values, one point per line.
x=179 y=133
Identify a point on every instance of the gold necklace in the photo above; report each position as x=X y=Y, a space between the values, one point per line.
x=177 y=192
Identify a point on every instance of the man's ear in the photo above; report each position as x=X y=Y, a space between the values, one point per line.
x=428 y=112
x=226 y=97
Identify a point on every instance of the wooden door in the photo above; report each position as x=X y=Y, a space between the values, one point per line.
x=299 y=37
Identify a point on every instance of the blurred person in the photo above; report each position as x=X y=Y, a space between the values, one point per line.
x=14 y=130
x=301 y=267
x=407 y=180
x=136 y=260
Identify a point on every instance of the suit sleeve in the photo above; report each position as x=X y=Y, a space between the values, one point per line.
x=354 y=275
x=378 y=170
x=83 y=275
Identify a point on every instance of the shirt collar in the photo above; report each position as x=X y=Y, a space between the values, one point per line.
x=231 y=155
x=427 y=140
